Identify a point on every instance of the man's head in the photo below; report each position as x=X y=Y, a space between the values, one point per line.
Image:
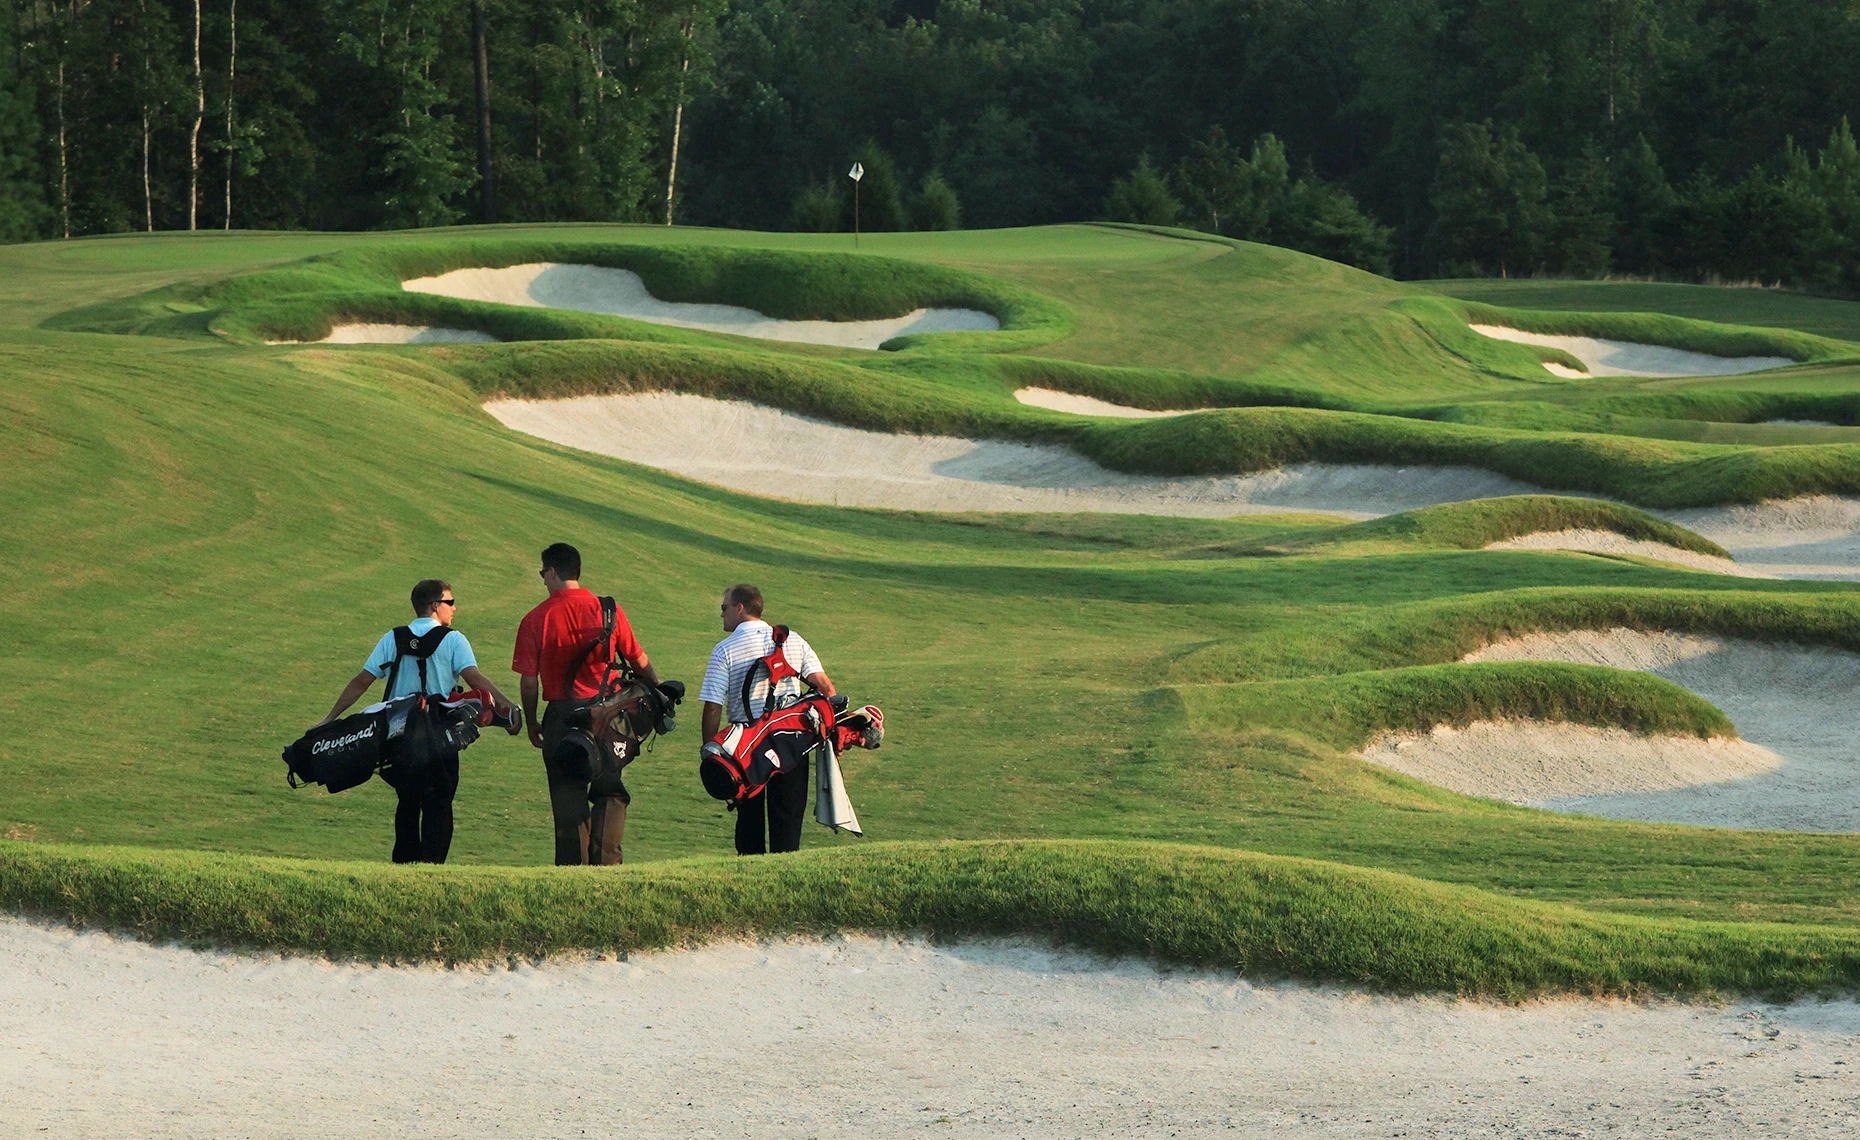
x=740 y=604
x=433 y=598
x=561 y=567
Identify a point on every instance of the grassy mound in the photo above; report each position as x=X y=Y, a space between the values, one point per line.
x=1708 y=337
x=302 y=301
x=1256 y=914
x=1480 y=523
x=1348 y=710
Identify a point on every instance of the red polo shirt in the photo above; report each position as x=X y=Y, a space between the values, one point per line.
x=555 y=631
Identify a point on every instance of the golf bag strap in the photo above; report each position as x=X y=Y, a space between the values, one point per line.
x=777 y=666
x=610 y=610
x=418 y=646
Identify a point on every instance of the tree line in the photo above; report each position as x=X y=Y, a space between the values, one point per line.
x=1682 y=138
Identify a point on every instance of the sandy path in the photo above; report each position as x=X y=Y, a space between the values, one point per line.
x=1797 y=701
x=862 y=1038
x=769 y=452
x=1624 y=358
x=1608 y=542
x=1057 y=401
x=621 y=293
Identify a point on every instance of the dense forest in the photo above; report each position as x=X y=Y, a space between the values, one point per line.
x=1680 y=138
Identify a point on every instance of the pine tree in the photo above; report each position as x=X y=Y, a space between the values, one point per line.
x=1142 y=197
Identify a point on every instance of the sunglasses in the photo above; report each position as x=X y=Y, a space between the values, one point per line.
x=453 y=602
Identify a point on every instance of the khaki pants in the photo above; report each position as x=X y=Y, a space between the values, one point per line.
x=584 y=833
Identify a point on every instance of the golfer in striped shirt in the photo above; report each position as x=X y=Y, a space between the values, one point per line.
x=771 y=821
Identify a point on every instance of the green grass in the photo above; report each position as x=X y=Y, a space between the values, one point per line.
x=1261 y=915
x=1769 y=308
x=1140 y=729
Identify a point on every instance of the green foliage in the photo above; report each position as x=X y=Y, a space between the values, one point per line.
x=1489 y=199
x=935 y=205
x=1142 y=197
x=22 y=202
x=1584 y=227
x=1258 y=200
x=880 y=196
x=817 y=208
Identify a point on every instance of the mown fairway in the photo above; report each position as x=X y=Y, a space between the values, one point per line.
x=204 y=535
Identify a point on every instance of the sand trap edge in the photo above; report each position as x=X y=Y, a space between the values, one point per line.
x=1535 y=762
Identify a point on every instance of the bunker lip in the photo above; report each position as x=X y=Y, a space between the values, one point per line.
x=1056 y=401
x=1794 y=701
x=360 y=332
x=1539 y=763
x=1609 y=542
x=765 y=451
x=1625 y=358
x=622 y=293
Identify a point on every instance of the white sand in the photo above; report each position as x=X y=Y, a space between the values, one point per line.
x=357 y=333
x=862 y=1038
x=765 y=451
x=1532 y=762
x=1816 y=536
x=1608 y=542
x=621 y=293
x=1796 y=701
x=1623 y=358
x=1058 y=401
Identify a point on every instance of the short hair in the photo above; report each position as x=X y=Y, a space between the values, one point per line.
x=746 y=596
x=564 y=559
x=427 y=591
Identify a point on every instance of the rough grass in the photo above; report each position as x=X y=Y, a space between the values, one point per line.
x=1348 y=710
x=1260 y=915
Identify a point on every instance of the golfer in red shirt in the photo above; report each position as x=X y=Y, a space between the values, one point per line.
x=551 y=637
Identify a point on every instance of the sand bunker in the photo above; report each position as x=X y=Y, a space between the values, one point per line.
x=1608 y=542
x=885 y=1038
x=1058 y=401
x=1816 y=536
x=357 y=333
x=1531 y=762
x=769 y=452
x=765 y=451
x=1623 y=358
x=621 y=293
x=1795 y=701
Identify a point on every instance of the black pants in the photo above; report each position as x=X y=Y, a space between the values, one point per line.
x=423 y=818
x=783 y=805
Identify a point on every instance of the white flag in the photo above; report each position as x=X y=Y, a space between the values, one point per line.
x=856 y=173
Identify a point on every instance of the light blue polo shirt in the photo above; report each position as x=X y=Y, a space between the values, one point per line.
x=442 y=669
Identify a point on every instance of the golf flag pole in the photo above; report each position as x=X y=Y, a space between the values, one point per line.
x=856 y=173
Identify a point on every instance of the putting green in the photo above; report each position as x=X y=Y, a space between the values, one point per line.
x=206 y=534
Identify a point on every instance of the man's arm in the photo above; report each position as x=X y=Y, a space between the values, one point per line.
x=357 y=685
x=713 y=720
x=528 y=689
x=820 y=681
x=477 y=680
x=644 y=669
